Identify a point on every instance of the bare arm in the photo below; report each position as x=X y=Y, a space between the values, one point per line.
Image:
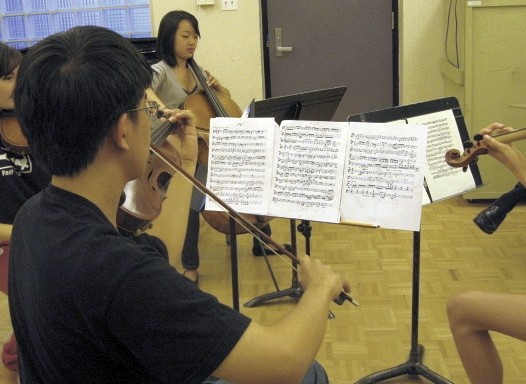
x=507 y=154
x=184 y=137
x=170 y=226
x=282 y=352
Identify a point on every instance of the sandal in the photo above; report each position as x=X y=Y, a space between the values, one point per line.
x=196 y=281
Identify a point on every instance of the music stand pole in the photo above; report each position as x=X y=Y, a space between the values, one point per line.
x=233 y=263
x=295 y=290
x=414 y=366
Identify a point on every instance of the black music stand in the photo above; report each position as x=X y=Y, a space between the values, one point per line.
x=147 y=46
x=313 y=106
x=414 y=365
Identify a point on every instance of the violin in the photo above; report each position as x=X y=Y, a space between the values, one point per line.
x=472 y=150
x=143 y=197
x=206 y=105
x=239 y=219
x=11 y=133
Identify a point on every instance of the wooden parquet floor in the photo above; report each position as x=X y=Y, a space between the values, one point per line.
x=454 y=256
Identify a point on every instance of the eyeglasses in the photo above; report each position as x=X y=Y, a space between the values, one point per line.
x=151 y=106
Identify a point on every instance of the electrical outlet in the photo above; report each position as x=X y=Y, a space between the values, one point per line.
x=229 y=5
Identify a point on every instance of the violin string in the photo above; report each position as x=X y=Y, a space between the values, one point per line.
x=160 y=132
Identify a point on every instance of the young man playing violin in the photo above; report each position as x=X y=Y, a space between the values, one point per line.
x=20 y=177
x=90 y=305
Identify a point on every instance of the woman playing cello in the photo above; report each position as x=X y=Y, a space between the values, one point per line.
x=174 y=81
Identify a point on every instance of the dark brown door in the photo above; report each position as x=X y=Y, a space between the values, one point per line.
x=330 y=43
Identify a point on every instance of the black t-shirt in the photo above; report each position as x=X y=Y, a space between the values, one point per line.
x=20 y=178
x=91 y=306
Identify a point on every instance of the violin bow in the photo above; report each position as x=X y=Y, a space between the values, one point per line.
x=254 y=230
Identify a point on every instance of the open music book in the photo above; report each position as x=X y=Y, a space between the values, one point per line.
x=446 y=130
x=441 y=180
x=364 y=173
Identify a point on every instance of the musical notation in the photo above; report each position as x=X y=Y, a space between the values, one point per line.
x=309 y=169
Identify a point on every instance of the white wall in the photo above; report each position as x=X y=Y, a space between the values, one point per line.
x=230 y=47
x=422 y=35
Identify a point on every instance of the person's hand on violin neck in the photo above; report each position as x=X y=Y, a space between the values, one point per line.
x=505 y=153
x=184 y=137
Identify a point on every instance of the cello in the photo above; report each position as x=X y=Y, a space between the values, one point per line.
x=206 y=105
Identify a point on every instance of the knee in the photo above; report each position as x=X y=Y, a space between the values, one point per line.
x=458 y=311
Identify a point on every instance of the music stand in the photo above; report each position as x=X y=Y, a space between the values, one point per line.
x=147 y=46
x=414 y=365
x=317 y=105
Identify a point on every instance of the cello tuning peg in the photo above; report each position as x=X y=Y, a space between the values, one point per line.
x=467 y=144
x=477 y=137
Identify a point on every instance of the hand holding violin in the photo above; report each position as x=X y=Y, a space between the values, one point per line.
x=504 y=152
x=183 y=139
x=494 y=140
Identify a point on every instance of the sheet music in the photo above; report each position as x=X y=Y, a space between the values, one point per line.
x=240 y=164
x=384 y=175
x=309 y=170
x=425 y=190
x=443 y=134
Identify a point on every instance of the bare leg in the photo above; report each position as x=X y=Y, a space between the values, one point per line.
x=471 y=315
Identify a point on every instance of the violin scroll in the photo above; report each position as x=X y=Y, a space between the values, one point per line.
x=472 y=150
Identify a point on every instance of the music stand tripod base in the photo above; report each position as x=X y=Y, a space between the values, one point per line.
x=294 y=292
x=413 y=367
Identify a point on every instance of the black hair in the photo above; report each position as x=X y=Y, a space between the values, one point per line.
x=9 y=59
x=166 y=34
x=71 y=89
